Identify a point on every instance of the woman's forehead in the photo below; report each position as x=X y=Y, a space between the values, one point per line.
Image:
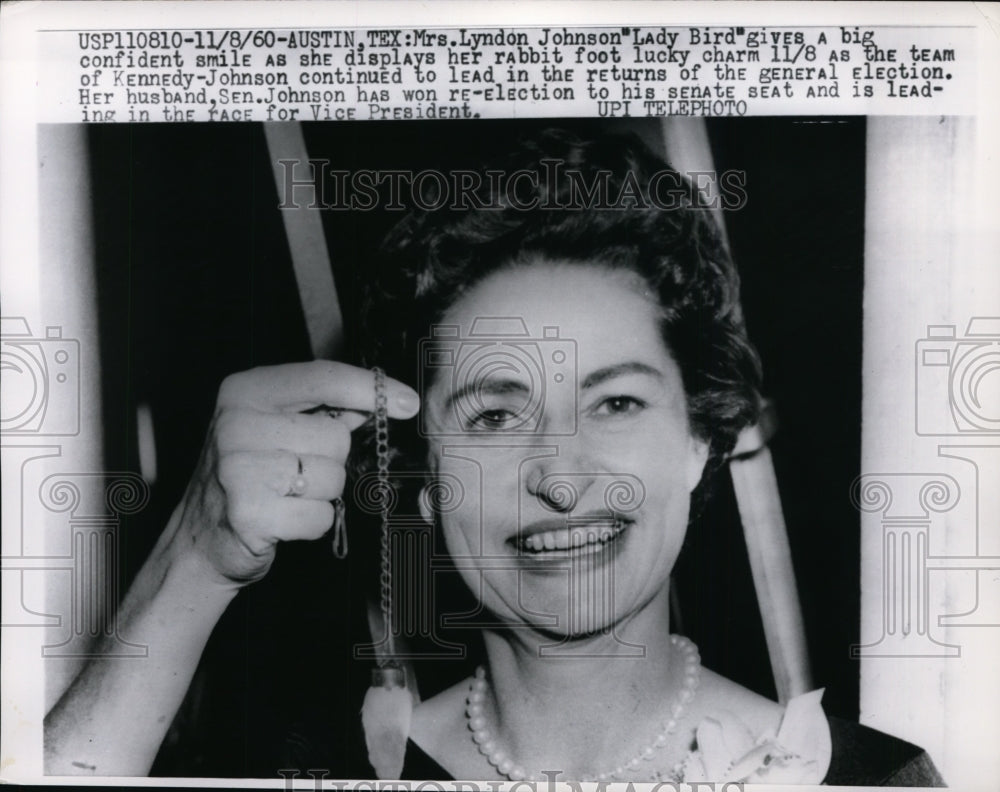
x=545 y=295
x=576 y=319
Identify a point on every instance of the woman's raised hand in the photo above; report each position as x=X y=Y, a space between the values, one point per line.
x=274 y=461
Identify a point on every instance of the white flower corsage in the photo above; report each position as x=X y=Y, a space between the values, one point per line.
x=799 y=753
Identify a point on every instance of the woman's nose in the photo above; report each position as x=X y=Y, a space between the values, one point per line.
x=558 y=486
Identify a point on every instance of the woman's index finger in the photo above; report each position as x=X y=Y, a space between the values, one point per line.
x=294 y=387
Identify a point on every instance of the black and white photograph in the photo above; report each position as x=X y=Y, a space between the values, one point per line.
x=464 y=396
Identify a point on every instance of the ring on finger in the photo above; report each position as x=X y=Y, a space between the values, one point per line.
x=297 y=487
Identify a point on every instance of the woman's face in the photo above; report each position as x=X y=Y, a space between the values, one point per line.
x=557 y=407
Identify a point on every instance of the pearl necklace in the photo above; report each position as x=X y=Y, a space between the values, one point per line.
x=486 y=742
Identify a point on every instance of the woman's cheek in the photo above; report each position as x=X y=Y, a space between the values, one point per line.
x=461 y=531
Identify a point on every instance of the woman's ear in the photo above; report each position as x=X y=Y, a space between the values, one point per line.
x=425 y=500
x=426 y=507
x=697 y=458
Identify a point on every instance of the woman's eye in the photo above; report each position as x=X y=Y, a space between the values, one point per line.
x=492 y=420
x=619 y=405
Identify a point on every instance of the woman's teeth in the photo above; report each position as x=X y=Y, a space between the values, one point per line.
x=593 y=535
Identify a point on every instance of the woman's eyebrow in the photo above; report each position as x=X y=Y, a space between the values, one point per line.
x=491 y=386
x=619 y=370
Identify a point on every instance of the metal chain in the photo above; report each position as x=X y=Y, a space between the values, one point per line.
x=382 y=458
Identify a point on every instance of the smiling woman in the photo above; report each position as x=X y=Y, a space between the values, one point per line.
x=581 y=371
x=630 y=416
x=624 y=366
x=629 y=370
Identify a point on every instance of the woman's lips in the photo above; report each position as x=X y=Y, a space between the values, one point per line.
x=570 y=536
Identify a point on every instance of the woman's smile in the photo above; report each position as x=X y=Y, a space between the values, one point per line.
x=563 y=537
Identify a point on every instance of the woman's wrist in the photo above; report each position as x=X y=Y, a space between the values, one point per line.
x=178 y=580
x=190 y=577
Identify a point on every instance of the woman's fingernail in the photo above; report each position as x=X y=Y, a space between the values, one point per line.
x=408 y=400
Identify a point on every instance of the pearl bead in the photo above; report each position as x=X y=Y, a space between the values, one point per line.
x=477 y=722
x=481 y=736
x=516 y=773
x=497 y=756
x=487 y=747
x=505 y=766
x=475 y=710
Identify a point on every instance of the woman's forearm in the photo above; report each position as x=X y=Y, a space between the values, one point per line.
x=113 y=717
x=266 y=475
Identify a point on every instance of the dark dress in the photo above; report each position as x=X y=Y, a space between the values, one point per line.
x=860 y=757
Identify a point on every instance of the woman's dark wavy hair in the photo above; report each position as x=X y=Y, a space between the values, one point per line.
x=431 y=258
